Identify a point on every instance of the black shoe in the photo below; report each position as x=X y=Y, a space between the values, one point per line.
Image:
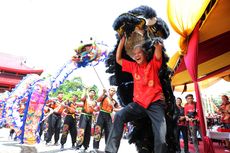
x=77 y=148
x=73 y=146
x=85 y=149
x=15 y=138
x=56 y=144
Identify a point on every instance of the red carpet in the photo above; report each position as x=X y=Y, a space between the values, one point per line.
x=217 y=147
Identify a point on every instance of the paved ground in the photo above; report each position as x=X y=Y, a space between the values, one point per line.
x=10 y=146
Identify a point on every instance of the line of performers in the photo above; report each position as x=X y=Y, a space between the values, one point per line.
x=78 y=118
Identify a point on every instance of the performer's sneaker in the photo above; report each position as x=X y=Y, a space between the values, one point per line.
x=94 y=151
x=80 y=151
x=48 y=143
x=62 y=147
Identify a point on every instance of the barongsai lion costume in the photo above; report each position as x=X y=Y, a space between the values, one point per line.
x=155 y=30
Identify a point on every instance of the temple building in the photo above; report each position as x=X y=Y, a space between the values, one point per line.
x=12 y=70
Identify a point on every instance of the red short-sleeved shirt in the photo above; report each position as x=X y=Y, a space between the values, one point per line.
x=147 y=86
x=190 y=108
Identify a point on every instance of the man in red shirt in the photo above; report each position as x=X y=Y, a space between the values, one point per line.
x=190 y=112
x=147 y=98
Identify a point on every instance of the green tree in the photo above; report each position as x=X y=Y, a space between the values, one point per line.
x=71 y=87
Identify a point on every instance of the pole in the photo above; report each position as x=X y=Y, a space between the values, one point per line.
x=99 y=78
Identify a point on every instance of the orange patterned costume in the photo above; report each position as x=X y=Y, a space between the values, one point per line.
x=84 y=129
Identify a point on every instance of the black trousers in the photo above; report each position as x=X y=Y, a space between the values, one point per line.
x=104 y=122
x=54 y=127
x=84 y=131
x=69 y=126
x=42 y=128
x=132 y=112
x=184 y=131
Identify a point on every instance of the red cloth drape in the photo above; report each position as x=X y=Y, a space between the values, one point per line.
x=191 y=64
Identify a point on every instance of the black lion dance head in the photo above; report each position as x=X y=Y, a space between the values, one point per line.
x=142 y=27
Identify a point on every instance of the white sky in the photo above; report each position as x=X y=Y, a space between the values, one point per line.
x=47 y=31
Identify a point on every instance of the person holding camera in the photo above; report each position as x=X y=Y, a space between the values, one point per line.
x=182 y=126
x=191 y=115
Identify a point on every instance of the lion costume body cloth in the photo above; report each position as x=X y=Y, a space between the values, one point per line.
x=153 y=30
